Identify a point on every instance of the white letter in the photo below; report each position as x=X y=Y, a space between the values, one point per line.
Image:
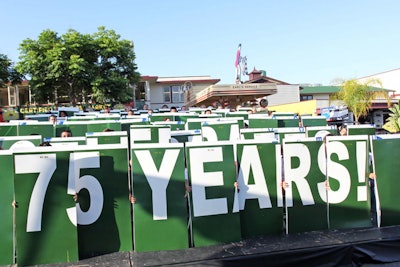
x=259 y=190
x=338 y=172
x=158 y=179
x=200 y=180
x=297 y=175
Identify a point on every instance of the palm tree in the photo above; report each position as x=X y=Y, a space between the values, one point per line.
x=393 y=122
x=358 y=96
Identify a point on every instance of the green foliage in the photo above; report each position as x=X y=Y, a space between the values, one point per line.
x=393 y=122
x=358 y=96
x=7 y=72
x=100 y=66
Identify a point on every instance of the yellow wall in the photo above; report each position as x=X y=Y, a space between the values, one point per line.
x=303 y=107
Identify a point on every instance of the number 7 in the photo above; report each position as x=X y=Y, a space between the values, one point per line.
x=45 y=165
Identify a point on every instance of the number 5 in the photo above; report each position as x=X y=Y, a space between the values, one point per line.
x=78 y=161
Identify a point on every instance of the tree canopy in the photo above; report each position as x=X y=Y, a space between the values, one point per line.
x=99 y=67
x=8 y=74
x=358 y=96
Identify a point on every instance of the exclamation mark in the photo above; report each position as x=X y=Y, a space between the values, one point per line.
x=361 y=150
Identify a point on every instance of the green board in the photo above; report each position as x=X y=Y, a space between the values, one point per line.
x=259 y=195
x=10 y=142
x=306 y=194
x=212 y=174
x=386 y=152
x=220 y=131
x=8 y=129
x=45 y=129
x=348 y=197
x=160 y=212
x=6 y=209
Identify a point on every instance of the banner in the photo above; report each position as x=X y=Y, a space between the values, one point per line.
x=80 y=128
x=104 y=210
x=45 y=129
x=160 y=212
x=212 y=173
x=293 y=133
x=45 y=234
x=261 y=134
x=220 y=131
x=111 y=137
x=11 y=142
x=144 y=134
x=312 y=131
x=8 y=129
x=349 y=193
x=306 y=194
x=186 y=136
x=368 y=129
x=46 y=179
x=307 y=121
x=262 y=122
x=6 y=208
x=386 y=152
x=260 y=192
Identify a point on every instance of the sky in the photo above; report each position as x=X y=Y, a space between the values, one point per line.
x=295 y=41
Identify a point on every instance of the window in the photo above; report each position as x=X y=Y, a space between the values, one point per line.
x=167 y=94
x=11 y=96
x=173 y=94
x=177 y=94
x=306 y=97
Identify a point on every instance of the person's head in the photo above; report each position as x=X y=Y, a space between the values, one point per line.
x=66 y=133
x=208 y=111
x=146 y=107
x=63 y=113
x=108 y=130
x=173 y=109
x=107 y=110
x=46 y=143
x=343 y=130
x=150 y=112
x=130 y=112
x=164 y=106
x=183 y=108
x=53 y=119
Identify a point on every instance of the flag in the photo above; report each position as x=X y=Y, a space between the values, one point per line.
x=237 y=62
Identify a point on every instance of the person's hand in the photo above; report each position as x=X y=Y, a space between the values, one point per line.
x=236 y=185
x=75 y=197
x=284 y=185
x=372 y=175
x=132 y=199
x=327 y=186
x=188 y=188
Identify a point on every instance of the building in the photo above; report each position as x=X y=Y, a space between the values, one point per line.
x=158 y=91
x=322 y=94
x=286 y=93
x=15 y=95
x=389 y=80
x=258 y=87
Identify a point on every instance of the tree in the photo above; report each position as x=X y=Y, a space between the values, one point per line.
x=78 y=65
x=393 y=122
x=115 y=67
x=7 y=72
x=358 y=96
